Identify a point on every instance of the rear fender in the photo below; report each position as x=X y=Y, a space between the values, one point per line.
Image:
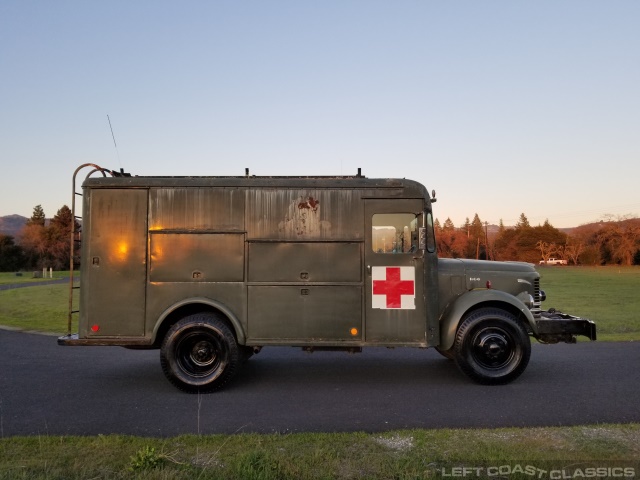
x=473 y=300
x=233 y=320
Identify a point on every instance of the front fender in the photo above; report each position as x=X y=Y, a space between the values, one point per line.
x=471 y=300
x=235 y=323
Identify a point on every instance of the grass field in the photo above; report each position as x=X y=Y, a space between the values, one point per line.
x=607 y=295
x=27 y=277
x=409 y=454
x=42 y=308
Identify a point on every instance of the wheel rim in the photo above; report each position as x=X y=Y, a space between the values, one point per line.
x=493 y=348
x=201 y=354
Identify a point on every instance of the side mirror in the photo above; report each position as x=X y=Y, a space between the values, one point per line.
x=422 y=240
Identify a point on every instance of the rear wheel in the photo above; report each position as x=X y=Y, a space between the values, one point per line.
x=200 y=353
x=245 y=353
x=448 y=354
x=492 y=347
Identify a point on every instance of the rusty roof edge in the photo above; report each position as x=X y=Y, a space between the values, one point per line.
x=324 y=182
x=386 y=187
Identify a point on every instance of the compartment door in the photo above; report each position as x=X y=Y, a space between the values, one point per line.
x=305 y=292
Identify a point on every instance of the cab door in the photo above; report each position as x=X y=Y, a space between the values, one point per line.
x=394 y=272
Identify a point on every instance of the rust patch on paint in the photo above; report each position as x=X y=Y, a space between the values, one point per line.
x=309 y=204
x=303 y=219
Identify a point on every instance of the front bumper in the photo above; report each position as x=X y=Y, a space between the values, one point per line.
x=554 y=326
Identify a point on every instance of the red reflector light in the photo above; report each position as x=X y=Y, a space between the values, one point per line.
x=488 y=283
x=95 y=328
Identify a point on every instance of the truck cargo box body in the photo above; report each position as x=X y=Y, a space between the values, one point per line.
x=288 y=259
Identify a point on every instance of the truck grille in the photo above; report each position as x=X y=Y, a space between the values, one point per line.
x=537 y=303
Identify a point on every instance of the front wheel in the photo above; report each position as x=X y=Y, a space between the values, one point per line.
x=200 y=353
x=492 y=347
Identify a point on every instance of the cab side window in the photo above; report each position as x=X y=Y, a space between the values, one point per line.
x=394 y=233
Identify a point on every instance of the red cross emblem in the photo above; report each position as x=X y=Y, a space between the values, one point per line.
x=393 y=287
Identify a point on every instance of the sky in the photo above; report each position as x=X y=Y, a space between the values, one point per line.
x=501 y=107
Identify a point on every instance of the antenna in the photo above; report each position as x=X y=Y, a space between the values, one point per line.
x=114 y=142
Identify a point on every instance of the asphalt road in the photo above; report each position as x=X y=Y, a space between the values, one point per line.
x=47 y=389
x=10 y=286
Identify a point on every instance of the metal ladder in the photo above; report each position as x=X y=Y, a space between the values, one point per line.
x=75 y=240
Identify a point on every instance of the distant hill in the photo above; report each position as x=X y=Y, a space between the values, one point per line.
x=590 y=228
x=12 y=224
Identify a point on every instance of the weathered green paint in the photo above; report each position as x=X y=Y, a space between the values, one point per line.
x=287 y=260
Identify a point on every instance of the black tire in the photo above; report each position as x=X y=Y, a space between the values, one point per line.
x=448 y=354
x=200 y=353
x=245 y=353
x=492 y=347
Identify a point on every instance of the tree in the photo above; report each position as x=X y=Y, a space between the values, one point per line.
x=48 y=246
x=523 y=222
x=448 y=225
x=477 y=228
x=34 y=243
x=546 y=249
x=466 y=227
x=623 y=244
x=38 y=217
x=58 y=238
x=551 y=241
x=477 y=238
x=581 y=243
x=527 y=243
x=573 y=251
x=446 y=239
x=615 y=242
x=456 y=242
x=11 y=255
x=505 y=244
x=468 y=245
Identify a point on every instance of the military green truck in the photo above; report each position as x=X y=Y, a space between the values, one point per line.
x=212 y=269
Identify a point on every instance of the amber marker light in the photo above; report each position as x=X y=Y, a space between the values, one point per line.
x=354 y=331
